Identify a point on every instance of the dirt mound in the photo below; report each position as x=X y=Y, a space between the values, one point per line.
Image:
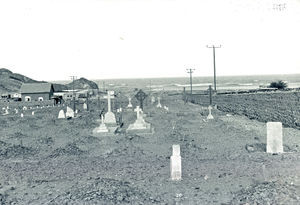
x=69 y=150
x=110 y=191
x=268 y=193
x=11 y=151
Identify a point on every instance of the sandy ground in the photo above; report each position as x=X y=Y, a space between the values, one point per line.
x=44 y=160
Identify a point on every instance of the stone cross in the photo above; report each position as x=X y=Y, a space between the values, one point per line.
x=274 y=137
x=176 y=163
x=140 y=96
x=137 y=110
x=210 y=117
x=110 y=95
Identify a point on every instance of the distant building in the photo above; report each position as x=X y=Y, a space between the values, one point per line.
x=36 y=91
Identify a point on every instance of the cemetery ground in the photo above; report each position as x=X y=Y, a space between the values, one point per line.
x=45 y=160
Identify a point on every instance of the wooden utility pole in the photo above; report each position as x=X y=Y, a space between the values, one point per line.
x=190 y=71
x=214 y=58
x=74 y=106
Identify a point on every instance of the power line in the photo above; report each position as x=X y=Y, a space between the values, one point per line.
x=214 y=58
x=190 y=71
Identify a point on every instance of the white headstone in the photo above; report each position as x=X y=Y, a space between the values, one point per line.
x=129 y=103
x=210 y=117
x=175 y=164
x=274 y=137
x=22 y=115
x=84 y=106
x=61 y=114
x=158 y=103
x=76 y=111
x=17 y=111
x=24 y=108
x=152 y=100
x=32 y=113
x=70 y=112
x=110 y=117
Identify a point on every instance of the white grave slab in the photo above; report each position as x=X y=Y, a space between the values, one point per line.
x=109 y=117
x=102 y=127
x=84 y=106
x=22 y=115
x=175 y=164
x=274 y=137
x=17 y=111
x=210 y=117
x=70 y=112
x=32 y=113
x=61 y=114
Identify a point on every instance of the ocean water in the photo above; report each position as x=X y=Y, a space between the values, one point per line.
x=199 y=83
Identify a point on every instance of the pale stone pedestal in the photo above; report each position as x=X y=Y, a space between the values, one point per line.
x=274 y=137
x=110 y=118
x=175 y=164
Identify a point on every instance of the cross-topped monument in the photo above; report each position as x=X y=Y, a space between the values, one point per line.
x=140 y=96
x=137 y=110
x=109 y=116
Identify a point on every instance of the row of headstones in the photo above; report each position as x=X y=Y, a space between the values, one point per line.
x=274 y=146
x=6 y=110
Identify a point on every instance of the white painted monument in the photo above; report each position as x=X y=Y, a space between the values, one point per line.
x=109 y=117
x=140 y=123
x=61 y=114
x=158 y=103
x=210 y=117
x=274 y=137
x=17 y=111
x=129 y=103
x=175 y=164
x=22 y=115
x=84 y=106
x=70 y=112
x=102 y=127
x=32 y=113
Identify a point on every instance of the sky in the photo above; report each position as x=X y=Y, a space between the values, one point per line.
x=103 y=39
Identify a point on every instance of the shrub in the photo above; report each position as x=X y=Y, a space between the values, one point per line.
x=279 y=85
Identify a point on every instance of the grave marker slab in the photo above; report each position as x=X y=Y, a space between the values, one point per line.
x=61 y=114
x=139 y=125
x=129 y=103
x=102 y=127
x=175 y=164
x=158 y=103
x=210 y=117
x=274 y=137
x=84 y=106
x=70 y=112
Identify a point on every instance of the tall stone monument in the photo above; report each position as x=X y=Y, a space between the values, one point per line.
x=210 y=117
x=129 y=103
x=139 y=124
x=140 y=96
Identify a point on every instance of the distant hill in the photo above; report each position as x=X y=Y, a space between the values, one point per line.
x=82 y=83
x=11 y=82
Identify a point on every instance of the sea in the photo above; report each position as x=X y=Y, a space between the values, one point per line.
x=199 y=83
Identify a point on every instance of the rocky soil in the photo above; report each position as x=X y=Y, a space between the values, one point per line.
x=44 y=160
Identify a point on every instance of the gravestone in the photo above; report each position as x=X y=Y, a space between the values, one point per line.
x=175 y=164
x=24 y=108
x=140 y=96
x=166 y=108
x=32 y=113
x=152 y=100
x=139 y=125
x=84 y=106
x=22 y=115
x=61 y=114
x=109 y=117
x=17 y=111
x=158 y=103
x=274 y=137
x=210 y=117
x=70 y=112
x=102 y=127
x=129 y=103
